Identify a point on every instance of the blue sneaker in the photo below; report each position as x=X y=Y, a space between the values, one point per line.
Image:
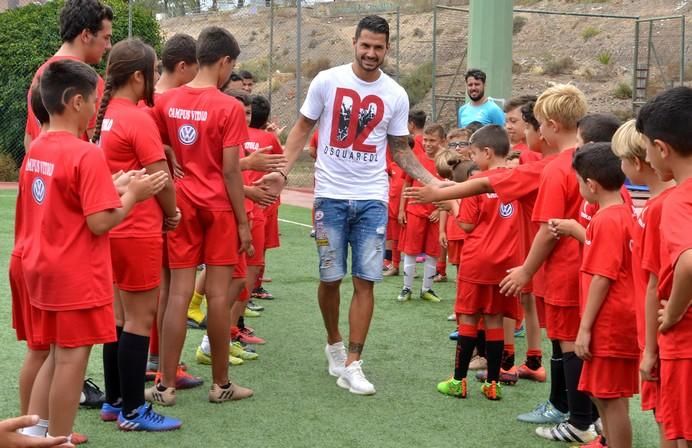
x=109 y=413
x=454 y=335
x=148 y=420
x=520 y=333
x=544 y=413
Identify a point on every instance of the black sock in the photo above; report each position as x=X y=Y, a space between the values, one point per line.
x=132 y=359
x=558 y=389
x=241 y=322
x=111 y=377
x=465 y=346
x=480 y=343
x=493 y=352
x=507 y=360
x=534 y=362
x=388 y=254
x=579 y=403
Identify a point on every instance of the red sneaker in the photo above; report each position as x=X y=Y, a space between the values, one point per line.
x=245 y=336
x=184 y=380
x=538 y=375
x=595 y=443
x=79 y=439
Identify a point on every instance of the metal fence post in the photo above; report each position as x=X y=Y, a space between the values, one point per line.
x=434 y=63
x=271 y=49
x=129 y=18
x=398 y=41
x=299 y=68
x=635 y=65
x=682 y=50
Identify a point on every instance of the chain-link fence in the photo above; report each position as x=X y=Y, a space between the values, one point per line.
x=618 y=61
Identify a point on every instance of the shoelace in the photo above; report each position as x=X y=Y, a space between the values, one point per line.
x=358 y=370
x=152 y=416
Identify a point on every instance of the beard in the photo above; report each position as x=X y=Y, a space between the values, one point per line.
x=477 y=96
x=374 y=64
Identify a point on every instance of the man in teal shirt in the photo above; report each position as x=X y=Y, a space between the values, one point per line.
x=481 y=108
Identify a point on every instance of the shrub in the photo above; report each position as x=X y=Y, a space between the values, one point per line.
x=559 y=66
x=604 y=58
x=418 y=82
x=259 y=67
x=590 y=32
x=30 y=35
x=518 y=23
x=313 y=43
x=624 y=114
x=623 y=91
x=418 y=33
x=8 y=168
x=312 y=68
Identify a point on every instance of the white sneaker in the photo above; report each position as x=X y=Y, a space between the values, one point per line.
x=354 y=380
x=336 y=357
x=452 y=317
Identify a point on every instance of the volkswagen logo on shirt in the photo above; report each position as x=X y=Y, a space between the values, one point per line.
x=506 y=210
x=38 y=190
x=187 y=134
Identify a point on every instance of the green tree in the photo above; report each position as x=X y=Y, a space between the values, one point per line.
x=29 y=36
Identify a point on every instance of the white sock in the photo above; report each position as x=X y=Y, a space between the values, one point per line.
x=429 y=271
x=409 y=270
x=38 y=430
x=206 y=348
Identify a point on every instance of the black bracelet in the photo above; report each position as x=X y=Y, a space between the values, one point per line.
x=284 y=176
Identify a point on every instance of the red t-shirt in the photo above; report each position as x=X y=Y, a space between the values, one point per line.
x=492 y=247
x=258 y=138
x=18 y=219
x=422 y=210
x=33 y=127
x=525 y=154
x=66 y=266
x=454 y=231
x=676 y=220
x=313 y=140
x=130 y=141
x=607 y=252
x=588 y=210
x=418 y=147
x=198 y=123
x=646 y=259
x=558 y=197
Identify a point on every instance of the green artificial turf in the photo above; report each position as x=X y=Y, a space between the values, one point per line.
x=296 y=403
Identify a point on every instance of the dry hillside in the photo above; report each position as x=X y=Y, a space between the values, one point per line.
x=594 y=53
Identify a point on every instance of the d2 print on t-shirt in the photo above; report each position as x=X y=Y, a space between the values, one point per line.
x=349 y=131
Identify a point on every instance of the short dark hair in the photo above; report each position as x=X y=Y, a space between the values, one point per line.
x=215 y=43
x=597 y=161
x=79 y=15
x=37 y=106
x=519 y=101
x=244 y=74
x=374 y=24
x=234 y=77
x=261 y=109
x=473 y=127
x=436 y=129
x=667 y=117
x=417 y=117
x=491 y=136
x=528 y=116
x=240 y=95
x=179 y=48
x=475 y=73
x=598 y=127
x=64 y=79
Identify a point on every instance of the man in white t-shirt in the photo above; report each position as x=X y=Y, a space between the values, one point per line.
x=361 y=111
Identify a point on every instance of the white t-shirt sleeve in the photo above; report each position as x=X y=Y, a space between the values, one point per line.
x=398 y=126
x=314 y=101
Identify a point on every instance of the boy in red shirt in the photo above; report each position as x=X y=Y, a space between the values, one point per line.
x=421 y=224
x=515 y=126
x=630 y=147
x=205 y=127
x=490 y=248
x=86 y=27
x=607 y=337
x=664 y=122
x=66 y=187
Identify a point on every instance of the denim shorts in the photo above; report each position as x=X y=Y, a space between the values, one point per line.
x=360 y=224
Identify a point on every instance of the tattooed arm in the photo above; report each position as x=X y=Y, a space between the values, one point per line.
x=404 y=157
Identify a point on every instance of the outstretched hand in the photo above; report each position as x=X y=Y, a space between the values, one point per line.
x=10 y=438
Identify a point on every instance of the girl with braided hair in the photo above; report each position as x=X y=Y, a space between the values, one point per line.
x=130 y=140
